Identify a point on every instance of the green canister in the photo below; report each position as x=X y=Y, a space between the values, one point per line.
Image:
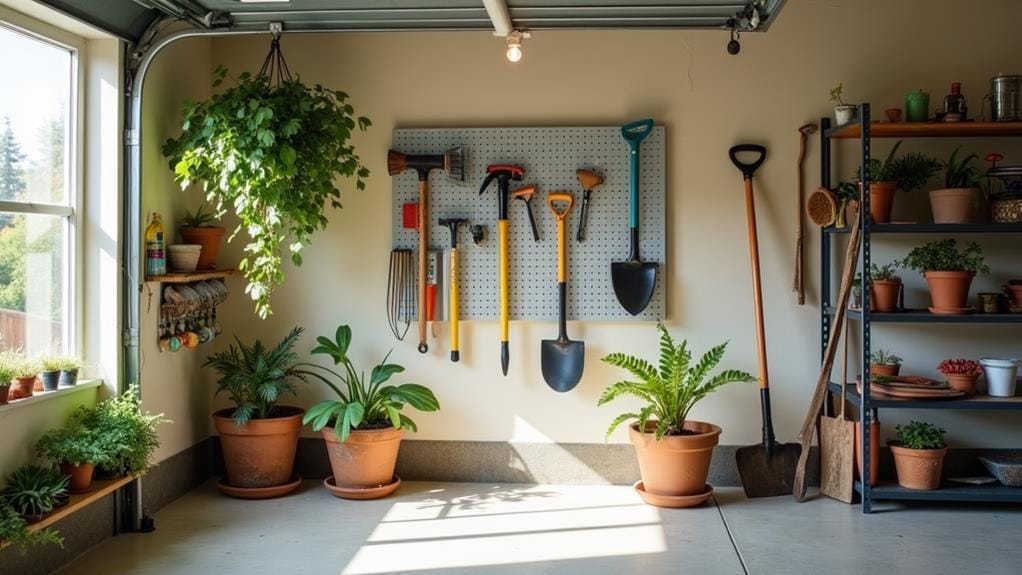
x=917 y=106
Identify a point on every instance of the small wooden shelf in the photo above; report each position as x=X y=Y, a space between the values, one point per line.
x=181 y=278
x=931 y=130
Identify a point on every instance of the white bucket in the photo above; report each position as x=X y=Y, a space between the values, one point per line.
x=1001 y=374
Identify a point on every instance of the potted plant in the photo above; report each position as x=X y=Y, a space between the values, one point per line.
x=7 y=371
x=259 y=438
x=77 y=449
x=33 y=491
x=363 y=425
x=948 y=271
x=919 y=455
x=961 y=374
x=1002 y=375
x=844 y=112
x=855 y=301
x=673 y=451
x=197 y=228
x=885 y=363
x=14 y=530
x=68 y=367
x=49 y=372
x=958 y=201
x=128 y=435
x=885 y=287
x=907 y=172
x=294 y=140
x=847 y=193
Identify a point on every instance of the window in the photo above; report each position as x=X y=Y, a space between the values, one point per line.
x=38 y=193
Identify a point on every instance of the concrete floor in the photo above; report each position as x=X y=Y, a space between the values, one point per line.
x=472 y=528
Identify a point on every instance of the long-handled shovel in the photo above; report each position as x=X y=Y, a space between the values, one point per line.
x=562 y=359
x=634 y=280
x=767 y=469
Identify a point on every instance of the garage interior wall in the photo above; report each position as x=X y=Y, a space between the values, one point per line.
x=708 y=101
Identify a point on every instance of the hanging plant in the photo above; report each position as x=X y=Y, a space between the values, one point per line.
x=269 y=149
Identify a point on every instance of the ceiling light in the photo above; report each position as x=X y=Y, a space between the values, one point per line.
x=514 y=45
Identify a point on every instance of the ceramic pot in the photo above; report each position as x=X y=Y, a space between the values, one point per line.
x=893 y=114
x=843 y=115
x=80 y=475
x=955 y=205
x=885 y=369
x=5 y=392
x=677 y=464
x=50 y=379
x=21 y=387
x=207 y=237
x=874 y=451
x=1015 y=291
x=1002 y=375
x=183 y=257
x=965 y=383
x=918 y=468
x=366 y=459
x=68 y=377
x=884 y=295
x=990 y=302
x=949 y=290
x=881 y=201
x=260 y=453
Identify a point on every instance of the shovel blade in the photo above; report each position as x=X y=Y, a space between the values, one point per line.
x=562 y=362
x=768 y=470
x=634 y=282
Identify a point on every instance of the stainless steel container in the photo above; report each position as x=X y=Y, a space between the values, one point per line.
x=1006 y=98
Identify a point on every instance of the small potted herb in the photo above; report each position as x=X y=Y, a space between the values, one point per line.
x=885 y=363
x=885 y=287
x=919 y=455
x=33 y=491
x=14 y=530
x=128 y=435
x=948 y=271
x=844 y=112
x=958 y=201
x=49 y=372
x=68 y=367
x=197 y=228
x=77 y=449
x=961 y=374
x=7 y=371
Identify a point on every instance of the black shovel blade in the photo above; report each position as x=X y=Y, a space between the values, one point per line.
x=634 y=282
x=563 y=361
x=768 y=470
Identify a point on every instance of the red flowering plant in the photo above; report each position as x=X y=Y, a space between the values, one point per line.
x=959 y=367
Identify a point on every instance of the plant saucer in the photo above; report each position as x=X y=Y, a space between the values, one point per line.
x=374 y=492
x=673 y=501
x=952 y=310
x=259 y=492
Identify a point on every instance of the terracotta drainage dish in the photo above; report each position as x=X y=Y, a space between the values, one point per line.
x=361 y=492
x=677 y=465
x=674 y=501
x=364 y=464
x=259 y=492
x=261 y=453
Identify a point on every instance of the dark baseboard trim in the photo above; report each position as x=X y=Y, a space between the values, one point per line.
x=176 y=476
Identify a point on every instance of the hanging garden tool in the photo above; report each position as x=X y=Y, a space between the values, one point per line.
x=453 y=162
x=398 y=287
x=503 y=174
x=634 y=280
x=525 y=194
x=452 y=224
x=798 y=284
x=562 y=359
x=588 y=180
x=767 y=469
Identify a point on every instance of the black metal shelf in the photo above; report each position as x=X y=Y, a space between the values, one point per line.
x=924 y=316
x=979 y=402
x=910 y=228
x=993 y=493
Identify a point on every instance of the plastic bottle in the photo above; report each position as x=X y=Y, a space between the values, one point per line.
x=155 y=247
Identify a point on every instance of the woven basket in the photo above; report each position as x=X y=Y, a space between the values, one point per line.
x=1006 y=211
x=183 y=257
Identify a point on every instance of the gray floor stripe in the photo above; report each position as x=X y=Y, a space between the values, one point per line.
x=731 y=536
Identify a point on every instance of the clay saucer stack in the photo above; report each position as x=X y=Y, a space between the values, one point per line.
x=909 y=387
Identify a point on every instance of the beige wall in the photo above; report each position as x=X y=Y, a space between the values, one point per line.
x=708 y=101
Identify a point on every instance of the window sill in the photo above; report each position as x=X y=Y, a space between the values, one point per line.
x=43 y=396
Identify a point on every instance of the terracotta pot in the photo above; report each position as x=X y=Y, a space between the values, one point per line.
x=5 y=392
x=260 y=453
x=1016 y=293
x=21 y=387
x=949 y=290
x=207 y=237
x=884 y=295
x=874 y=451
x=886 y=369
x=881 y=201
x=918 y=468
x=366 y=459
x=963 y=382
x=677 y=464
x=81 y=476
x=955 y=205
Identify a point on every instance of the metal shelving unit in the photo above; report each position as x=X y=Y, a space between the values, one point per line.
x=862 y=130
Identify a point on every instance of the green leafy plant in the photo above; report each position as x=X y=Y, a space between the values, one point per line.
x=201 y=218
x=75 y=444
x=60 y=363
x=847 y=191
x=881 y=171
x=884 y=272
x=34 y=489
x=837 y=95
x=362 y=403
x=127 y=434
x=912 y=171
x=960 y=173
x=25 y=367
x=920 y=435
x=945 y=256
x=255 y=377
x=269 y=152
x=14 y=530
x=8 y=368
x=671 y=391
x=884 y=357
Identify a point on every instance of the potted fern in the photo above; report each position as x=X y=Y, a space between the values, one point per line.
x=259 y=438
x=958 y=201
x=197 y=228
x=674 y=452
x=884 y=287
x=363 y=425
x=919 y=455
x=127 y=434
x=78 y=449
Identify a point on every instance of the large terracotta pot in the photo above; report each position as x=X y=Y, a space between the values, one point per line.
x=949 y=290
x=207 y=237
x=677 y=464
x=81 y=476
x=884 y=295
x=881 y=201
x=22 y=387
x=955 y=205
x=366 y=459
x=1016 y=294
x=918 y=468
x=965 y=383
x=874 y=451
x=885 y=369
x=260 y=453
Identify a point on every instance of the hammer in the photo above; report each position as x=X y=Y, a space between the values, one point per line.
x=453 y=162
x=588 y=180
x=525 y=194
x=798 y=284
x=453 y=224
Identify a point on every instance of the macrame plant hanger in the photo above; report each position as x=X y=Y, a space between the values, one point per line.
x=274 y=66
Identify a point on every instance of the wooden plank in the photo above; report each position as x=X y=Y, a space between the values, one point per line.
x=180 y=278
x=100 y=489
x=934 y=130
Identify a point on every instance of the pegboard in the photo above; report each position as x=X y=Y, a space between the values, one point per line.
x=550 y=157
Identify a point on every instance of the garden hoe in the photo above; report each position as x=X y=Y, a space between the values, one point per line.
x=634 y=280
x=767 y=469
x=453 y=224
x=588 y=180
x=561 y=358
x=503 y=174
x=525 y=194
x=453 y=162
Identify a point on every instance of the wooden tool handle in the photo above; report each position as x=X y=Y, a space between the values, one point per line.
x=757 y=288
x=423 y=247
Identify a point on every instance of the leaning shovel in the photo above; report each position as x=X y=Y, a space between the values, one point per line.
x=634 y=280
x=562 y=359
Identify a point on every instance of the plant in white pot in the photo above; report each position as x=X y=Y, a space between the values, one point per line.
x=844 y=112
x=958 y=201
x=363 y=426
x=674 y=452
